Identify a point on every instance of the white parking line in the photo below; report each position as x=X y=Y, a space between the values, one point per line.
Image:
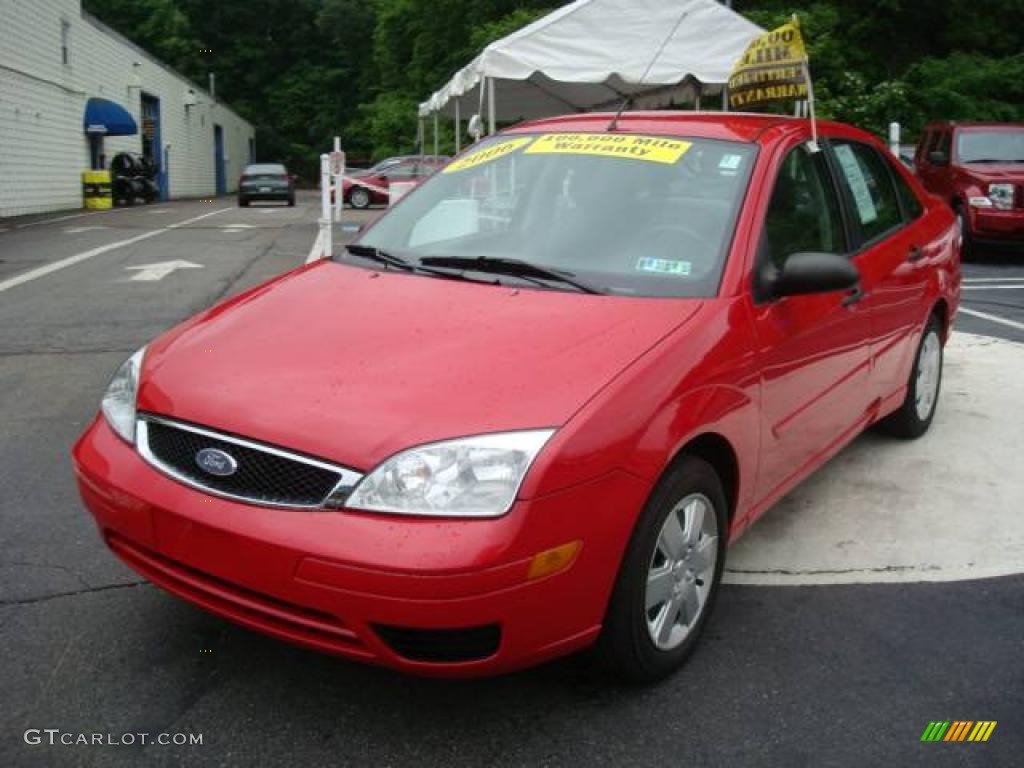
x=992 y=280
x=46 y=269
x=992 y=318
x=58 y=218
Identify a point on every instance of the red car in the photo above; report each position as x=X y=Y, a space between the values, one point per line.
x=526 y=412
x=978 y=168
x=370 y=187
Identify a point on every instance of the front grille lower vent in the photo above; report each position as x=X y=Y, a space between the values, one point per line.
x=262 y=474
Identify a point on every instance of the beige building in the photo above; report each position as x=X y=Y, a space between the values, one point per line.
x=69 y=86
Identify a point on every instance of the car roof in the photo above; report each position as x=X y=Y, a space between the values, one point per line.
x=731 y=126
x=971 y=124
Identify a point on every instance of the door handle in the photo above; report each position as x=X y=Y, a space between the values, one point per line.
x=852 y=296
x=916 y=253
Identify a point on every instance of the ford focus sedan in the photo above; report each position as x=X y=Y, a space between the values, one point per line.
x=528 y=410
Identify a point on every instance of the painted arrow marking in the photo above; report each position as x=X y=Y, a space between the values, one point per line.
x=160 y=270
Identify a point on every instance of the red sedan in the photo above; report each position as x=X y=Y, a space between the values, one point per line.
x=372 y=186
x=528 y=410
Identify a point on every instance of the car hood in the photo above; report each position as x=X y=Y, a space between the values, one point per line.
x=996 y=172
x=353 y=365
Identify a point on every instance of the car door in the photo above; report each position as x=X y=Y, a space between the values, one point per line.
x=812 y=349
x=892 y=255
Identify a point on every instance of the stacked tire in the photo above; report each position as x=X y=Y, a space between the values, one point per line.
x=133 y=179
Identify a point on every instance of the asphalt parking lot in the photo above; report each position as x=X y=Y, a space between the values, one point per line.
x=836 y=649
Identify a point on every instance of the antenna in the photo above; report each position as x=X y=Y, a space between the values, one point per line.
x=614 y=124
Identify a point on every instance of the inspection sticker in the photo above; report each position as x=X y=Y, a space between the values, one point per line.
x=486 y=154
x=664 y=266
x=654 y=149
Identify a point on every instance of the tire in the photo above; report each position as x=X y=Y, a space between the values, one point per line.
x=359 y=198
x=243 y=203
x=634 y=645
x=915 y=415
x=967 y=249
x=291 y=202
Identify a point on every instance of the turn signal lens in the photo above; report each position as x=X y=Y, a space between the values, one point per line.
x=553 y=560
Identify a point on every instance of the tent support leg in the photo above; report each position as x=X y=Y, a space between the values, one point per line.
x=435 y=134
x=490 y=106
x=458 y=129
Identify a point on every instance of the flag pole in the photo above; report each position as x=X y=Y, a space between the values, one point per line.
x=814 y=146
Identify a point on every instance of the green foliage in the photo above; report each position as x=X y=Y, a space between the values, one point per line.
x=305 y=70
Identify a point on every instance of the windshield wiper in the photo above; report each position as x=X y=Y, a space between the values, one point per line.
x=383 y=257
x=510 y=267
x=988 y=160
x=397 y=262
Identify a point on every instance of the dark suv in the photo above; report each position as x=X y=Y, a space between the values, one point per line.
x=978 y=168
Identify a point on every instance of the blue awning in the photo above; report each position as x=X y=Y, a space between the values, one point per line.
x=108 y=118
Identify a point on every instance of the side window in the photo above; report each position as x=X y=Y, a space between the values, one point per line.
x=402 y=172
x=944 y=141
x=912 y=207
x=869 y=183
x=804 y=212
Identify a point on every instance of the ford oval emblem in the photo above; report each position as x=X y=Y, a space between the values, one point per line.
x=214 y=461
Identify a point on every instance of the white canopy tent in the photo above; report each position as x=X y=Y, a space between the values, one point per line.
x=592 y=54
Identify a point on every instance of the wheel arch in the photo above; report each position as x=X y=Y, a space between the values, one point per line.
x=716 y=450
x=940 y=310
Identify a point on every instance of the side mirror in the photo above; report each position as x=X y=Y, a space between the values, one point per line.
x=936 y=157
x=815 y=272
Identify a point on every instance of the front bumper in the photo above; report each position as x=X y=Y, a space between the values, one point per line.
x=996 y=226
x=430 y=596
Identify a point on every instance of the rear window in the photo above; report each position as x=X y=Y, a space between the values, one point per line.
x=266 y=169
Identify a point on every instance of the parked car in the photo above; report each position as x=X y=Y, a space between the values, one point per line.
x=369 y=187
x=978 y=168
x=266 y=181
x=525 y=412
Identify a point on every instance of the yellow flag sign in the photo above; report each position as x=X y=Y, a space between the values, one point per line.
x=773 y=68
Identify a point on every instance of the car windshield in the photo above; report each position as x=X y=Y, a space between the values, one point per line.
x=622 y=213
x=1003 y=146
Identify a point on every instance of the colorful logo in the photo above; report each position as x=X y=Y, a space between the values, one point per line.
x=958 y=730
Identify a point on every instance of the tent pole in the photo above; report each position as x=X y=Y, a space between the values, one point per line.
x=490 y=106
x=458 y=130
x=419 y=135
x=435 y=134
x=725 y=98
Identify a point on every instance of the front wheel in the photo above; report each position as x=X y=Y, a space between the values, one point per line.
x=915 y=415
x=359 y=198
x=669 y=577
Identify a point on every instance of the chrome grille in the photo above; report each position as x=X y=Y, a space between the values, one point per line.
x=264 y=474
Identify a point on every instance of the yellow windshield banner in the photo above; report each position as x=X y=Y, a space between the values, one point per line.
x=486 y=154
x=654 y=149
x=773 y=68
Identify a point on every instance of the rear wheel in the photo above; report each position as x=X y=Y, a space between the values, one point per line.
x=359 y=198
x=243 y=202
x=669 y=577
x=291 y=201
x=967 y=246
x=918 y=409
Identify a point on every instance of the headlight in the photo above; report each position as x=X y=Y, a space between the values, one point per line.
x=1001 y=195
x=470 y=477
x=118 y=404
